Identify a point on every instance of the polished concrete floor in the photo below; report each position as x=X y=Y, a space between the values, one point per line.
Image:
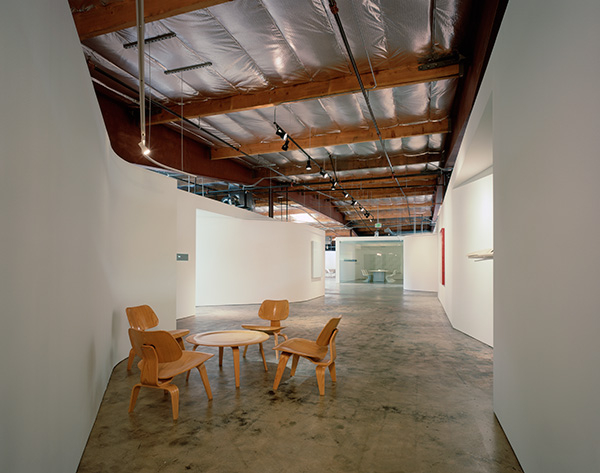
x=412 y=396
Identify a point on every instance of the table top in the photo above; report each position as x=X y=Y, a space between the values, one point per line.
x=227 y=338
x=378 y=271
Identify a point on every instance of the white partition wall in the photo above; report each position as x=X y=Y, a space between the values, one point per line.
x=467 y=219
x=420 y=262
x=244 y=258
x=83 y=235
x=545 y=73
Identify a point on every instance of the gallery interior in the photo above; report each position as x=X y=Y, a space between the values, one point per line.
x=433 y=202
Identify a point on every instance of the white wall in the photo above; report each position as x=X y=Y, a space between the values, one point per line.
x=186 y=244
x=240 y=267
x=546 y=77
x=467 y=217
x=244 y=258
x=420 y=262
x=83 y=235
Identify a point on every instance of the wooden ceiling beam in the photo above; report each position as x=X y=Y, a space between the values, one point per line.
x=333 y=139
x=425 y=179
x=390 y=192
x=398 y=77
x=353 y=164
x=109 y=17
x=398 y=214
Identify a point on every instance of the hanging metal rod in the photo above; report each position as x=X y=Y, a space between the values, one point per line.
x=335 y=11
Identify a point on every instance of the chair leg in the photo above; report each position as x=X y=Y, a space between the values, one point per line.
x=321 y=379
x=283 y=359
x=204 y=376
x=174 y=392
x=294 y=364
x=134 y=395
x=245 y=350
x=180 y=341
x=276 y=343
x=130 y=360
x=332 y=372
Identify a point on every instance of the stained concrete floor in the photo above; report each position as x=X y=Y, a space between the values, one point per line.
x=412 y=396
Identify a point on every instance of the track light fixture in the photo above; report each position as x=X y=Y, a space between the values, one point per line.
x=308 y=165
x=353 y=202
x=286 y=144
x=346 y=195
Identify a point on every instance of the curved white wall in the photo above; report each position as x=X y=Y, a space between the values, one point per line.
x=245 y=261
x=83 y=235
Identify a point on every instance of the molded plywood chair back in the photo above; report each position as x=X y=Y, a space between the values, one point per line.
x=316 y=352
x=162 y=360
x=142 y=317
x=275 y=311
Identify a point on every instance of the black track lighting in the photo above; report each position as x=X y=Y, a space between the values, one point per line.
x=346 y=195
x=279 y=132
x=308 y=165
x=353 y=202
x=286 y=144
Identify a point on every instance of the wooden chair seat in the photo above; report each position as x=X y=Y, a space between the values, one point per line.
x=188 y=361
x=316 y=352
x=263 y=328
x=305 y=348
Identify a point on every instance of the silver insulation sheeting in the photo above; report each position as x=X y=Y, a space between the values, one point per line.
x=258 y=45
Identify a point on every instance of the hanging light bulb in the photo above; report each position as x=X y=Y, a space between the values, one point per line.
x=144 y=148
x=308 y=165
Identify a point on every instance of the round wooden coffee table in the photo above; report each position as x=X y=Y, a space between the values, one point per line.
x=230 y=338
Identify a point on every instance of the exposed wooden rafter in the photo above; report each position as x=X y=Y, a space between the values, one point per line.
x=333 y=139
x=352 y=164
x=406 y=75
x=105 y=18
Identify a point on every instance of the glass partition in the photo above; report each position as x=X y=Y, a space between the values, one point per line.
x=376 y=262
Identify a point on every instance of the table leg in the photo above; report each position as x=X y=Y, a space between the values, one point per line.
x=236 y=365
x=220 y=356
x=262 y=352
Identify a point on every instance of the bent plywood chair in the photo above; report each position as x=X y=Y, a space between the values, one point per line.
x=142 y=317
x=316 y=352
x=162 y=360
x=275 y=311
